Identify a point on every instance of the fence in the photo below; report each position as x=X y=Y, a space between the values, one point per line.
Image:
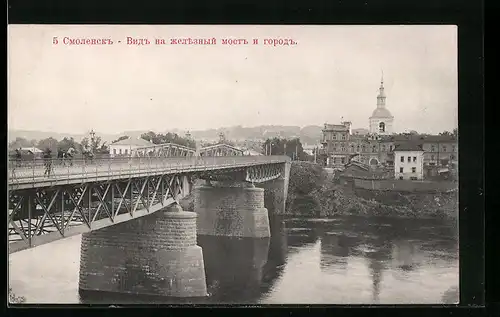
x=55 y=169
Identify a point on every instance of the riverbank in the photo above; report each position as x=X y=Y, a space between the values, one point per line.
x=313 y=192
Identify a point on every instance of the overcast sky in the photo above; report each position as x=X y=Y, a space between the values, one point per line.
x=333 y=72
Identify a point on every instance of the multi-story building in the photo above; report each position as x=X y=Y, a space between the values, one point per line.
x=409 y=163
x=376 y=148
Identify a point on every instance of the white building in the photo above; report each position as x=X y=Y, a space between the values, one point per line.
x=408 y=161
x=381 y=119
x=125 y=147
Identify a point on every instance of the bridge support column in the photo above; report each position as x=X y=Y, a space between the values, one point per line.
x=152 y=255
x=276 y=192
x=231 y=211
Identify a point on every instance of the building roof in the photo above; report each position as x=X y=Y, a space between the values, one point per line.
x=418 y=138
x=135 y=142
x=408 y=146
x=31 y=149
x=381 y=113
x=336 y=127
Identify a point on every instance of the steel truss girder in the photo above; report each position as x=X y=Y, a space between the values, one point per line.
x=263 y=173
x=220 y=150
x=42 y=215
x=164 y=150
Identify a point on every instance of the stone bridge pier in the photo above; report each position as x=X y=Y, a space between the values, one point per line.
x=155 y=254
x=240 y=209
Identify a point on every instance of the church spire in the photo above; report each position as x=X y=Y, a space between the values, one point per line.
x=381 y=94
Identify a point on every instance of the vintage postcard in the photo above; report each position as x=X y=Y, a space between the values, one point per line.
x=233 y=164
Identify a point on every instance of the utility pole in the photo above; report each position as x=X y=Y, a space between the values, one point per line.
x=315 y=151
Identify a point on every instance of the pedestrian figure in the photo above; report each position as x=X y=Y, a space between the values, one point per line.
x=47 y=157
x=18 y=157
x=69 y=155
x=61 y=156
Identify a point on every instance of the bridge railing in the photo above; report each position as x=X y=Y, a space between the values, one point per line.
x=56 y=169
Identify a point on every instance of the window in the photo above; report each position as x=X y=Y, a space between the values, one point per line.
x=120 y=151
x=452 y=157
x=334 y=136
x=381 y=127
x=413 y=169
x=383 y=148
x=409 y=159
x=357 y=148
x=400 y=177
x=401 y=170
x=413 y=178
x=352 y=148
x=126 y=151
x=343 y=149
x=414 y=159
x=363 y=148
x=402 y=159
x=453 y=148
x=432 y=157
x=433 y=148
x=114 y=151
x=342 y=160
x=343 y=136
x=444 y=148
x=374 y=148
x=390 y=148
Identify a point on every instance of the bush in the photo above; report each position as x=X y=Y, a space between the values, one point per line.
x=13 y=299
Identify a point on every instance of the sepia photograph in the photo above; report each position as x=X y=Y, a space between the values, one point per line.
x=232 y=164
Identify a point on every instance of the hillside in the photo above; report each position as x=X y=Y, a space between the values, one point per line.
x=308 y=135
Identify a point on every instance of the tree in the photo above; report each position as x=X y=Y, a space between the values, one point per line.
x=48 y=143
x=21 y=142
x=123 y=137
x=67 y=143
x=292 y=148
x=95 y=145
x=168 y=138
x=13 y=299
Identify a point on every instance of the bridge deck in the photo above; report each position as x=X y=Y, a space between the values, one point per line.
x=31 y=174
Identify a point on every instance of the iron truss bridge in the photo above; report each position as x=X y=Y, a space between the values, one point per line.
x=176 y=150
x=220 y=150
x=164 y=150
x=88 y=196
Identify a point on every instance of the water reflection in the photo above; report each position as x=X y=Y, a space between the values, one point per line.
x=346 y=260
x=234 y=266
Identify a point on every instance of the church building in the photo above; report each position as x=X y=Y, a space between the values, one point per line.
x=377 y=148
x=381 y=119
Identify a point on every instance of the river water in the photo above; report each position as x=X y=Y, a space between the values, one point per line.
x=345 y=260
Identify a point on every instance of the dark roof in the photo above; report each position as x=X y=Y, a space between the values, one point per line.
x=357 y=164
x=408 y=146
x=419 y=137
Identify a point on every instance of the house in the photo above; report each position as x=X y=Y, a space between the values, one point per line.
x=32 y=150
x=409 y=161
x=251 y=152
x=125 y=147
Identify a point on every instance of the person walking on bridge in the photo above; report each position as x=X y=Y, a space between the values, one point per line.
x=18 y=157
x=47 y=157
